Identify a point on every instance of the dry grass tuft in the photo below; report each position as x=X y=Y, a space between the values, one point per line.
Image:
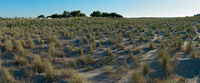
x=9 y=46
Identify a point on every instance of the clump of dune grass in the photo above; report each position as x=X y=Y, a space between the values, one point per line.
x=86 y=59
x=166 y=65
x=79 y=50
x=141 y=38
x=20 y=60
x=162 y=52
x=37 y=64
x=145 y=68
x=109 y=69
x=38 y=39
x=53 y=51
x=189 y=47
x=49 y=70
x=81 y=41
x=124 y=63
x=89 y=67
x=72 y=62
x=137 y=77
x=181 y=80
x=23 y=43
x=193 y=54
x=90 y=48
x=139 y=49
x=77 y=79
x=29 y=72
x=53 y=38
x=41 y=42
x=99 y=44
x=163 y=46
x=31 y=44
x=9 y=46
x=58 y=44
x=70 y=49
x=18 y=46
x=129 y=49
x=179 y=43
x=94 y=45
x=0 y=63
x=109 y=52
x=152 y=45
x=69 y=73
x=7 y=77
x=122 y=46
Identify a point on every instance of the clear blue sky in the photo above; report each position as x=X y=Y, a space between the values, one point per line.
x=127 y=8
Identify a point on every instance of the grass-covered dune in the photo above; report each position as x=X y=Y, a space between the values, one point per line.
x=97 y=49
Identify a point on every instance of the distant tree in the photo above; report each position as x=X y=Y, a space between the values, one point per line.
x=55 y=16
x=82 y=15
x=113 y=14
x=96 y=14
x=75 y=13
x=65 y=14
x=105 y=14
x=41 y=16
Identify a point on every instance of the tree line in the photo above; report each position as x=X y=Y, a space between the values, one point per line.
x=78 y=13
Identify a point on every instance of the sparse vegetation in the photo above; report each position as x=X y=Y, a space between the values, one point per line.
x=56 y=49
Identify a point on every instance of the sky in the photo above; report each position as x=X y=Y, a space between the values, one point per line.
x=127 y=8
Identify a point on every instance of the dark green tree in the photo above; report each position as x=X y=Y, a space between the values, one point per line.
x=96 y=14
x=65 y=14
x=105 y=14
x=41 y=16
